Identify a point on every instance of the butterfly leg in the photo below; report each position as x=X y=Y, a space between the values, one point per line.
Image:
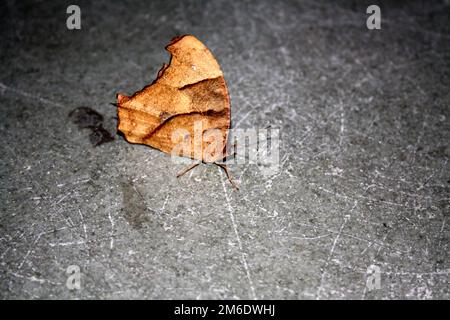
x=225 y=168
x=229 y=155
x=188 y=168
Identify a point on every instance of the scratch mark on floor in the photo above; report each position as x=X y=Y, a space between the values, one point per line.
x=238 y=238
x=66 y=244
x=244 y=117
x=342 y=128
x=33 y=246
x=164 y=204
x=111 y=236
x=30 y=96
x=312 y=238
x=84 y=225
x=330 y=255
x=34 y=279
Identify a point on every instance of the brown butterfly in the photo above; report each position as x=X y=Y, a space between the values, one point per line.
x=185 y=111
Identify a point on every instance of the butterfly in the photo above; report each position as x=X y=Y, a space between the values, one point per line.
x=185 y=111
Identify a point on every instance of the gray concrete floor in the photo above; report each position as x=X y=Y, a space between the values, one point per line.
x=364 y=177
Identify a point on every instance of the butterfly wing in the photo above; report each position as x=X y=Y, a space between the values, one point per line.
x=186 y=110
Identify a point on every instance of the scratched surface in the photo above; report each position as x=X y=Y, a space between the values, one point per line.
x=364 y=172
